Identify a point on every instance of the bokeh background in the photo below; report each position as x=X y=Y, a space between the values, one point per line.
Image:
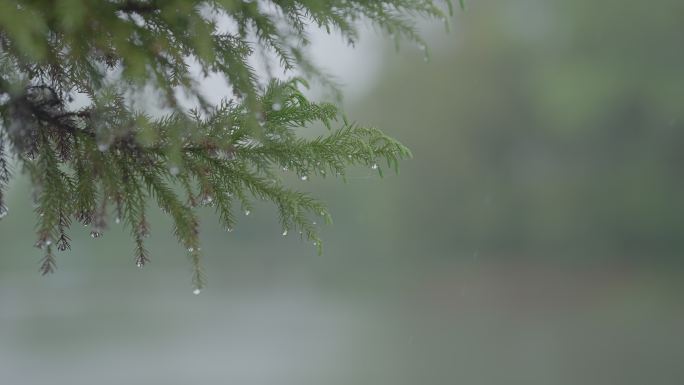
x=535 y=238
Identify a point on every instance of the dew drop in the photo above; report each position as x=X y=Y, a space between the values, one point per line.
x=304 y=177
x=229 y=229
x=315 y=243
x=196 y=292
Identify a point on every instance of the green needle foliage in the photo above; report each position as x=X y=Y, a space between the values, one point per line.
x=107 y=158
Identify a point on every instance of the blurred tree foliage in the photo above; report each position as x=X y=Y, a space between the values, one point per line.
x=106 y=157
x=561 y=129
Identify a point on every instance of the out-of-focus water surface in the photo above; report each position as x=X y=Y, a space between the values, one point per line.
x=536 y=238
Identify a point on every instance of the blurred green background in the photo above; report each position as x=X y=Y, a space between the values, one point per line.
x=536 y=238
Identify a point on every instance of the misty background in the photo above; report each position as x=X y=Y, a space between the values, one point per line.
x=535 y=238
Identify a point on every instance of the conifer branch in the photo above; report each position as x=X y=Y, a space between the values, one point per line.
x=110 y=159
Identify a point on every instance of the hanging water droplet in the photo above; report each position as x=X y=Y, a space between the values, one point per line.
x=374 y=166
x=140 y=264
x=247 y=212
x=3 y=211
x=174 y=170
x=95 y=234
x=48 y=242
x=315 y=243
x=229 y=229
x=285 y=168
x=314 y=223
x=117 y=220
x=322 y=213
x=207 y=200
x=284 y=233
x=191 y=249
x=304 y=177
x=349 y=156
x=103 y=147
x=277 y=106
x=196 y=292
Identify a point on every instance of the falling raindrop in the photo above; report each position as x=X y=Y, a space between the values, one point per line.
x=304 y=177
x=196 y=292
x=247 y=212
